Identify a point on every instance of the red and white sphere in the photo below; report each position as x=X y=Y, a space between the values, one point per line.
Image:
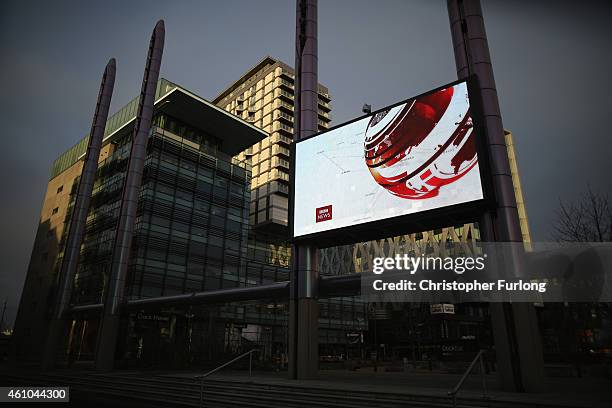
x=415 y=149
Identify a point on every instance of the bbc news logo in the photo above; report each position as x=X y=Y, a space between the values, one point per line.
x=324 y=213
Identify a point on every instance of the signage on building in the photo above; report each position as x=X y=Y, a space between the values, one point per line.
x=452 y=348
x=442 y=308
x=410 y=158
x=154 y=317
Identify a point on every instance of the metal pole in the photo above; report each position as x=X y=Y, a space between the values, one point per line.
x=483 y=376
x=303 y=305
x=3 y=311
x=114 y=294
x=519 y=356
x=375 y=342
x=201 y=392
x=76 y=228
x=250 y=364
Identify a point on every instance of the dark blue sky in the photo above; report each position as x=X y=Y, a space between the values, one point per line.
x=552 y=63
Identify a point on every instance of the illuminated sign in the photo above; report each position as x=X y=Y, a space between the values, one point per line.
x=413 y=157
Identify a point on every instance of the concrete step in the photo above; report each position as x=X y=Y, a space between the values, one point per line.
x=165 y=390
x=215 y=395
x=314 y=396
x=220 y=394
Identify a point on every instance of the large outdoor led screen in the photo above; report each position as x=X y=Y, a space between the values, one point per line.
x=413 y=157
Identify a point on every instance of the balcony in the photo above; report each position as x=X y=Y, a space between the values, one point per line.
x=324 y=106
x=286 y=76
x=285 y=107
x=278 y=162
x=279 y=150
x=278 y=174
x=281 y=93
x=278 y=126
x=326 y=116
x=325 y=96
x=277 y=138
x=284 y=116
x=287 y=84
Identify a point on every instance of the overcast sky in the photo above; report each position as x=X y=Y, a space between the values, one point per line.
x=552 y=62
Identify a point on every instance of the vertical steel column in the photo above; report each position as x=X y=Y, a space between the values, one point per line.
x=115 y=287
x=303 y=304
x=76 y=229
x=517 y=341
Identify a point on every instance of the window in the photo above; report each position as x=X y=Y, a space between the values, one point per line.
x=218 y=211
x=235 y=214
x=55 y=211
x=215 y=251
x=233 y=226
x=156 y=255
x=198 y=232
x=184 y=195
x=60 y=189
x=201 y=205
x=180 y=226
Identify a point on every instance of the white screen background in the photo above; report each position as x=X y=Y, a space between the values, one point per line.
x=330 y=169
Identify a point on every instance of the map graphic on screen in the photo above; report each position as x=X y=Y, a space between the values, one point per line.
x=416 y=156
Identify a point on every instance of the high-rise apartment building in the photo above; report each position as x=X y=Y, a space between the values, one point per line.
x=264 y=97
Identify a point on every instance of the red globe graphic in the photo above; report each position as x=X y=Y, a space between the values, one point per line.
x=415 y=149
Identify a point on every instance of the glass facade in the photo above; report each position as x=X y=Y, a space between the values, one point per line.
x=191 y=235
x=192 y=222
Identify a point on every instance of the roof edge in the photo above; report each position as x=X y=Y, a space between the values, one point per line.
x=267 y=60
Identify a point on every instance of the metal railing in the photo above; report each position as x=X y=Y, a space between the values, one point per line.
x=479 y=358
x=201 y=377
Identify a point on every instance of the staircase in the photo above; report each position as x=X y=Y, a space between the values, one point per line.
x=119 y=390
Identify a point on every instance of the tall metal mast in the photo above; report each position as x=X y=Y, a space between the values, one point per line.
x=115 y=287
x=303 y=305
x=76 y=229
x=515 y=329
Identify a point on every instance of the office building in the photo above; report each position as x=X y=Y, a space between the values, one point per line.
x=190 y=232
